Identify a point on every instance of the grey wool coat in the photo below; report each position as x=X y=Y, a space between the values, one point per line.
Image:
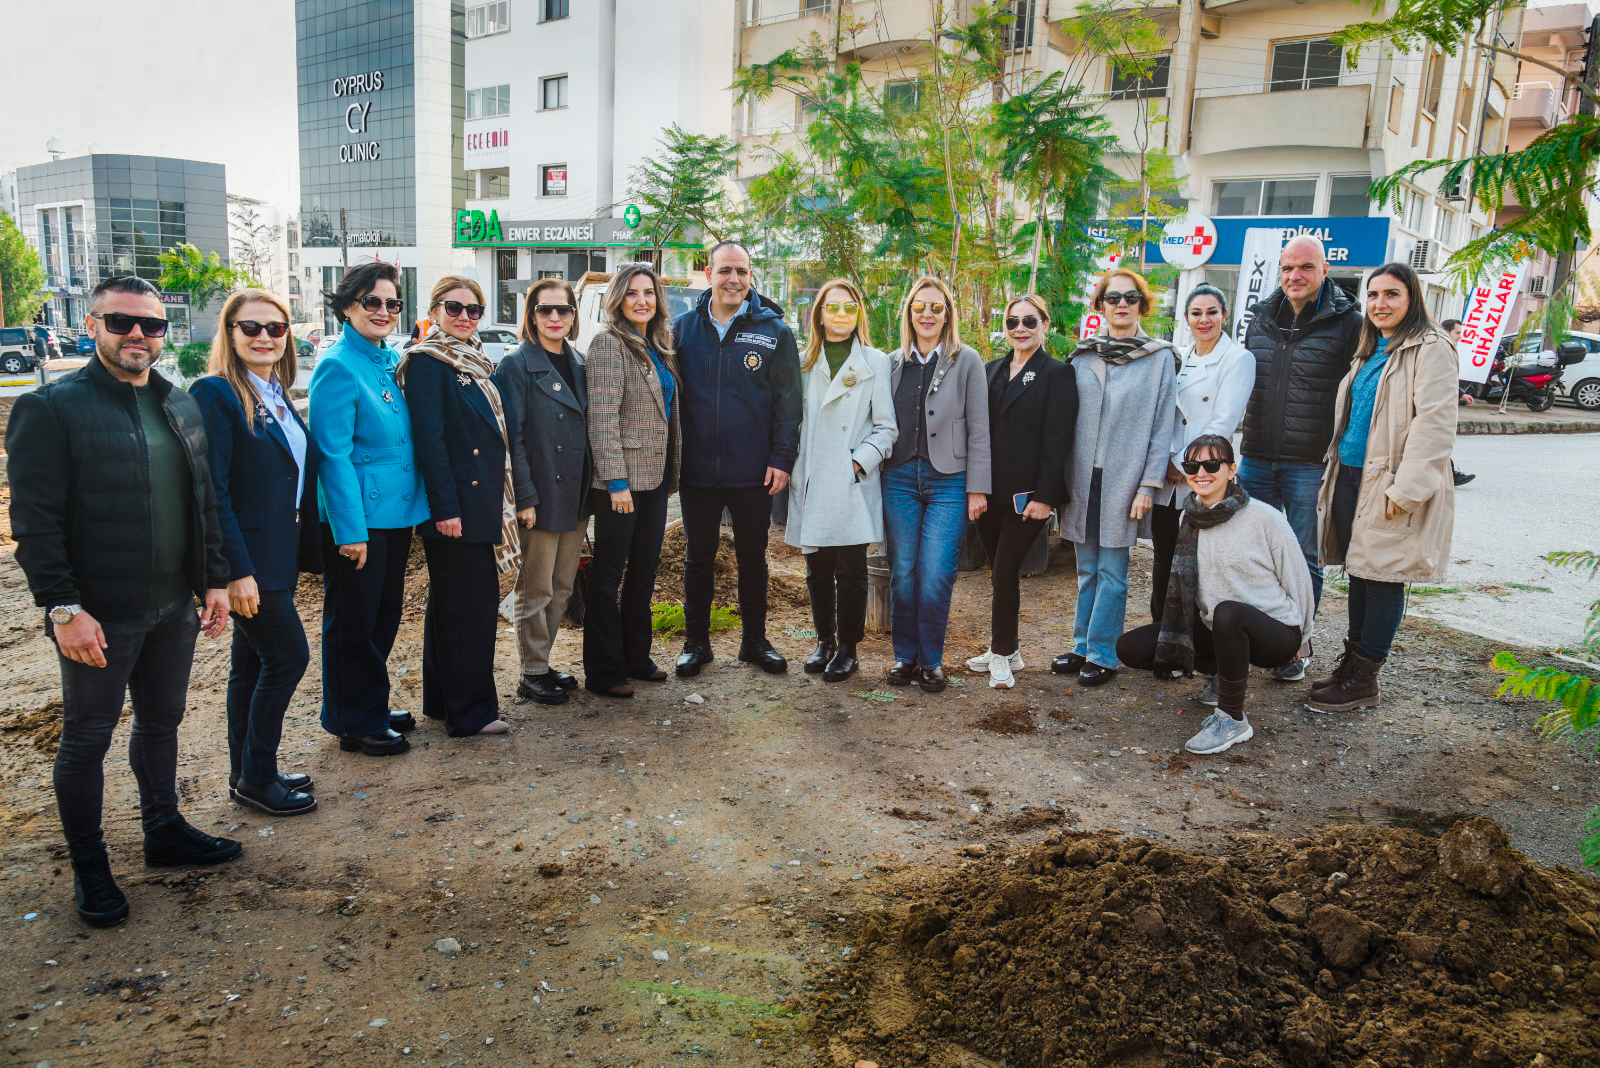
x=548 y=435
x=1125 y=416
x=848 y=416
x=957 y=416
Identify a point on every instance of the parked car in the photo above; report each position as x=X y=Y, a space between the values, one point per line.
x=85 y=344
x=394 y=341
x=591 y=294
x=17 y=351
x=498 y=339
x=1581 y=379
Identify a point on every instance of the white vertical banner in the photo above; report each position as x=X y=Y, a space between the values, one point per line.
x=1258 y=272
x=1484 y=322
x=1094 y=322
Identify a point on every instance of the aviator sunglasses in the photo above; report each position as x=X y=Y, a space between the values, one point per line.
x=933 y=307
x=251 y=328
x=370 y=303
x=834 y=307
x=454 y=308
x=118 y=323
x=1029 y=321
x=1192 y=467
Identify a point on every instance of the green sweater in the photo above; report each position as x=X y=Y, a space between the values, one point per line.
x=837 y=352
x=171 y=497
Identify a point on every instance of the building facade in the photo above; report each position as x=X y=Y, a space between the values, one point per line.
x=93 y=217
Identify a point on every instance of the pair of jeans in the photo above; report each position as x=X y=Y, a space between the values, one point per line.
x=836 y=579
x=627 y=551
x=924 y=519
x=459 y=629
x=148 y=658
x=269 y=659
x=1292 y=487
x=750 y=508
x=1102 y=607
x=1375 y=608
x=1240 y=635
x=1006 y=538
x=360 y=618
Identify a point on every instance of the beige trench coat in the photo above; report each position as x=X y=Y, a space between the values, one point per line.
x=1408 y=462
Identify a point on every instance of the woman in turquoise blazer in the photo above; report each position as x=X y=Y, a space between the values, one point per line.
x=369 y=497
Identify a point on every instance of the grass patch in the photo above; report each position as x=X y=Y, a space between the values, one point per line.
x=882 y=697
x=667 y=619
x=1527 y=588
x=1433 y=591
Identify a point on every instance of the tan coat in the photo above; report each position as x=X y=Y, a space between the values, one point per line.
x=629 y=434
x=1408 y=462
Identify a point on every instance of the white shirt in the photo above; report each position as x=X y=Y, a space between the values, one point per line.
x=934 y=355
x=277 y=406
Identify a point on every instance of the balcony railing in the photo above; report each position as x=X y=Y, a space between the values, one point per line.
x=1535 y=104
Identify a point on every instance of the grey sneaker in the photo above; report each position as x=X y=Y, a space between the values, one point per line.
x=1218 y=733
x=1208 y=696
x=1293 y=671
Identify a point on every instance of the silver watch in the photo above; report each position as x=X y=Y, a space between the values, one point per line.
x=62 y=614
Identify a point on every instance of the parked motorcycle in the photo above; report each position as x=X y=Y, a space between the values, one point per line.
x=1534 y=384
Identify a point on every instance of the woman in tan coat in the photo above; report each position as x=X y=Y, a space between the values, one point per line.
x=1387 y=506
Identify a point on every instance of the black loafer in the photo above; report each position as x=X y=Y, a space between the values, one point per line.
x=384 y=743
x=175 y=843
x=765 y=657
x=1092 y=674
x=817 y=662
x=1068 y=664
x=904 y=673
x=692 y=659
x=932 y=680
x=274 y=799
x=541 y=688
x=290 y=781
x=100 y=902
x=843 y=665
x=401 y=720
x=562 y=679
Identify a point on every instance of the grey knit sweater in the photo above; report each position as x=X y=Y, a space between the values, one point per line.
x=1254 y=559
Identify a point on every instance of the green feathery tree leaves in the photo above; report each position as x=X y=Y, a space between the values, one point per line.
x=682 y=187
x=202 y=275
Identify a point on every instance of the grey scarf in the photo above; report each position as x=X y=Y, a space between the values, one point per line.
x=1175 y=641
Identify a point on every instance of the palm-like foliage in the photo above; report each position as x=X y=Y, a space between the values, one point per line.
x=681 y=186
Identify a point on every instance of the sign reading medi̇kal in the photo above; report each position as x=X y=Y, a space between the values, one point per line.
x=1351 y=240
x=477 y=229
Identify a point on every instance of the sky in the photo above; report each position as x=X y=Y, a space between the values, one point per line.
x=209 y=80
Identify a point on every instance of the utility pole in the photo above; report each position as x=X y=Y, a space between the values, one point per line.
x=1591 y=80
x=344 y=239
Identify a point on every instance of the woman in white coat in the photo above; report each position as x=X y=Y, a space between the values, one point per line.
x=1214 y=386
x=835 y=500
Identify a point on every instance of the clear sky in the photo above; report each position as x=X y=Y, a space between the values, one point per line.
x=210 y=80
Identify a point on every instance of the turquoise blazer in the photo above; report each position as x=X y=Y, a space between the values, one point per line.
x=361 y=428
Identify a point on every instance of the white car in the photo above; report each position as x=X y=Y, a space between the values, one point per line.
x=499 y=339
x=394 y=341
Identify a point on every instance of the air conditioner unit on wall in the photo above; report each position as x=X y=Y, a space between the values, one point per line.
x=1422 y=257
x=1538 y=286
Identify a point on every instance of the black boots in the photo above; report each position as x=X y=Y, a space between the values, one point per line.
x=843 y=663
x=100 y=903
x=818 y=661
x=176 y=843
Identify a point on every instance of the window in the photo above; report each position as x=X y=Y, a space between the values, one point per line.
x=553 y=92
x=1019 y=34
x=1308 y=64
x=1134 y=84
x=1466 y=104
x=1433 y=83
x=903 y=95
x=806 y=110
x=505 y=273
x=553 y=9
x=553 y=180
x=488 y=102
x=489 y=18
x=1273 y=196
x=814 y=7
x=1347 y=195
x=1397 y=99
x=494 y=184
x=1413 y=210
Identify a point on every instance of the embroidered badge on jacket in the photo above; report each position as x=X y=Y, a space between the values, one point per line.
x=752 y=361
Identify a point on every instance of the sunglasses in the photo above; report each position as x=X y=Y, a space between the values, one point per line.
x=1029 y=321
x=562 y=310
x=1192 y=467
x=454 y=308
x=118 y=323
x=1132 y=296
x=934 y=306
x=370 y=303
x=253 y=329
x=836 y=308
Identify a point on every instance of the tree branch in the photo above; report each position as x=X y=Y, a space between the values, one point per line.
x=1566 y=76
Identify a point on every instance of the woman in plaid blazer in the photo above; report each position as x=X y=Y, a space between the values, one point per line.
x=634 y=437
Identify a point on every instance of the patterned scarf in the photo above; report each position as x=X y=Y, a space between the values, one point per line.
x=1120 y=350
x=1175 y=641
x=466 y=358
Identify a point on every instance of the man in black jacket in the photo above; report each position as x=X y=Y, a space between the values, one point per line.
x=114 y=514
x=1303 y=337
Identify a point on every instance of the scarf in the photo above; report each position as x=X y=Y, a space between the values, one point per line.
x=1175 y=641
x=466 y=358
x=1120 y=350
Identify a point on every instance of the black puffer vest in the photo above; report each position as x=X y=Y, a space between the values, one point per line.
x=1298 y=371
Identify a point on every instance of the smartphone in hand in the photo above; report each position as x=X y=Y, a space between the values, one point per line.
x=1019 y=501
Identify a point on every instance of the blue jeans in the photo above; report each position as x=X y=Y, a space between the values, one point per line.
x=269 y=658
x=924 y=519
x=1291 y=486
x=148 y=658
x=1102 y=601
x=1375 y=608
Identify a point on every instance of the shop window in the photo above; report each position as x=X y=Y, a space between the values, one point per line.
x=553 y=180
x=1148 y=79
x=505 y=273
x=1305 y=64
x=1347 y=195
x=483 y=19
x=553 y=92
x=1272 y=196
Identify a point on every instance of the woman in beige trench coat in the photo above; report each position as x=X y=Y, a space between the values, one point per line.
x=1387 y=506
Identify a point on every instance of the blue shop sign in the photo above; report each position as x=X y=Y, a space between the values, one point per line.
x=1351 y=241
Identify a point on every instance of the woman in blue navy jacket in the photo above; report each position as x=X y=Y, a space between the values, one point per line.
x=370 y=495
x=265 y=476
x=471 y=532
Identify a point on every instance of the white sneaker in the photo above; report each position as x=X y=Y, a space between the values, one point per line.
x=1000 y=676
x=1219 y=732
x=1208 y=696
x=980 y=663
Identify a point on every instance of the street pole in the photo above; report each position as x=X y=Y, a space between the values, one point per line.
x=1591 y=80
x=344 y=240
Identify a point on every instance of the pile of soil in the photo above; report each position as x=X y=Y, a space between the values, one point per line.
x=785 y=589
x=1354 y=946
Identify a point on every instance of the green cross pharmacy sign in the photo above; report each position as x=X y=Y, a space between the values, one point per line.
x=630 y=215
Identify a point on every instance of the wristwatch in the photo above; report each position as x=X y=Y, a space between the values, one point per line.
x=62 y=614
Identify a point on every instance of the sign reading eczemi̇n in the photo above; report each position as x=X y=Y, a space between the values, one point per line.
x=1484 y=323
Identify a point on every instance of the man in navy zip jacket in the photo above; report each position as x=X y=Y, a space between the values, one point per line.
x=739 y=379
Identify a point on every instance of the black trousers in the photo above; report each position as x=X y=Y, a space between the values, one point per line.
x=1375 y=608
x=1164 y=533
x=836 y=578
x=1006 y=538
x=627 y=551
x=458 y=635
x=270 y=656
x=360 y=617
x=751 y=509
x=1239 y=637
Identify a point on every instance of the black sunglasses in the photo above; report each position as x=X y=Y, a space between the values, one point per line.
x=251 y=328
x=1029 y=321
x=1132 y=296
x=454 y=308
x=118 y=323
x=372 y=303
x=1192 y=467
x=563 y=310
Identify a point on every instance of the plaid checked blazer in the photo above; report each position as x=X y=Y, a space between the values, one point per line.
x=629 y=434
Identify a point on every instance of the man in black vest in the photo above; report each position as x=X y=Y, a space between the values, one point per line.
x=115 y=519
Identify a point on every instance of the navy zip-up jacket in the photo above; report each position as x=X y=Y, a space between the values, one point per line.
x=740 y=394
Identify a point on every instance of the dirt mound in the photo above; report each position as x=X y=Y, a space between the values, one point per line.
x=1011 y=718
x=41 y=727
x=1355 y=946
x=785 y=589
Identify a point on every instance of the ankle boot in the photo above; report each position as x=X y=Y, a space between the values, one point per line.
x=1340 y=666
x=818 y=661
x=843 y=665
x=1358 y=688
x=100 y=903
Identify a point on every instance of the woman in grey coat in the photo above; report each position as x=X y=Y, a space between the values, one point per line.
x=1126 y=393
x=542 y=381
x=835 y=503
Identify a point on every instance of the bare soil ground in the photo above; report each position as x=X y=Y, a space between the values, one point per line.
x=656 y=881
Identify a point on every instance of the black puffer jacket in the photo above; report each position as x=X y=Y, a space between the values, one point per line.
x=80 y=493
x=1298 y=370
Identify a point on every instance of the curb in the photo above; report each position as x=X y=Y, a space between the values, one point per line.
x=1508 y=427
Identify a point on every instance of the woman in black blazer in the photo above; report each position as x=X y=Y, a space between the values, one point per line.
x=1033 y=407
x=264 y=469
x=459 y=425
